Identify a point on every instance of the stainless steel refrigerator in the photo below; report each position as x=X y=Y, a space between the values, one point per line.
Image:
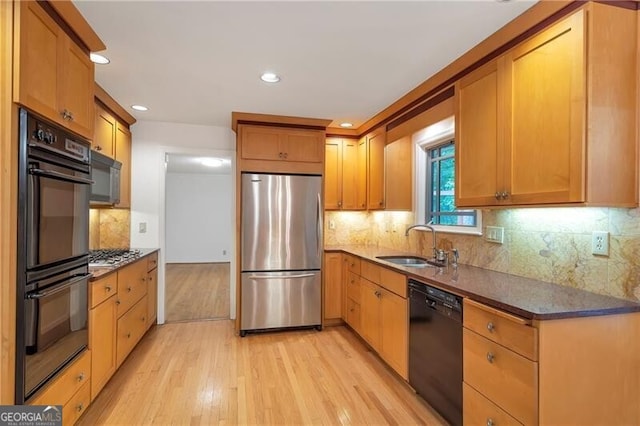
x=281 y=249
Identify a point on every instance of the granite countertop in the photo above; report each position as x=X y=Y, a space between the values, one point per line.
x=100 y=271
x=525 y=297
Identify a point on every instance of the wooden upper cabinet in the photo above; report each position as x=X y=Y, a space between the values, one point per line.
x=361 y=173
x=123 y=155
x=281 y=144
x=104 y=132
x=477 y=138
x=340 y=174
x=375 y=170
x=539 y=125
x=545 y=116
x=398 y=174
x=53 y=76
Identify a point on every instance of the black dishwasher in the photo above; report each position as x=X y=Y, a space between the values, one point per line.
x=435 y=349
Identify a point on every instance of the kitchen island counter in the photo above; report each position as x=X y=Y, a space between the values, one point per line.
x=525 y=297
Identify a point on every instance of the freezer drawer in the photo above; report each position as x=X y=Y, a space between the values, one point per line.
x=280 y=299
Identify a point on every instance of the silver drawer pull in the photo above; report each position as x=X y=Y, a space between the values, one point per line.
x=81 y=377
x=490 y=422
x=491 y=327
x=79 y=407
x=490 y=357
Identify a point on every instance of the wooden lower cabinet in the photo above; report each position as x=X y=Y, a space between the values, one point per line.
x=152 y=297
x=102 y=342
x=374 y=310
x=549 y=372
x=130 y=329
x=71 y=389
x=332 y=278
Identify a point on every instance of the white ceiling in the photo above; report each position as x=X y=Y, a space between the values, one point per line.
x=197 y=61
x=192 y=164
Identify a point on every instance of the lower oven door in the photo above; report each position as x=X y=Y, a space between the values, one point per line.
x=55 y=324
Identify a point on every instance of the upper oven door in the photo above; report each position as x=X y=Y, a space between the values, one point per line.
x=57 y=210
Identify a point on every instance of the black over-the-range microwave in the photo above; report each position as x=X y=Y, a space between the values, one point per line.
x=105 y=173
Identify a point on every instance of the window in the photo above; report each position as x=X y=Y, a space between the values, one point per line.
x=435 y=182
x=440 y=197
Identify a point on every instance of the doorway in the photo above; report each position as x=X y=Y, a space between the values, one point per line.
x=198 y=237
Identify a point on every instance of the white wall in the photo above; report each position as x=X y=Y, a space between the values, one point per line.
x=151 y=142
x=199 y=218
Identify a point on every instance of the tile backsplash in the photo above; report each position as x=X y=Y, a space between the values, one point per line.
x=549 y=244
x=109 y=228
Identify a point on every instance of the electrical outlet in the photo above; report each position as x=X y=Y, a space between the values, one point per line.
x=332 y=224
x=494 y=234
x=600 y=243
x=142 y=227
x=224 y=252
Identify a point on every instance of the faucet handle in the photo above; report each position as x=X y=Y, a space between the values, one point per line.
x=455 y=256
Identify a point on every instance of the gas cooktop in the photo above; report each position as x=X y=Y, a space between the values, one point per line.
x=112 y=257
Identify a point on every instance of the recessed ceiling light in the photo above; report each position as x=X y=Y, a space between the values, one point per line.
x=269 y=77
x=98 y=59
x=211 y=162
x=140 y=107
x=346 y=125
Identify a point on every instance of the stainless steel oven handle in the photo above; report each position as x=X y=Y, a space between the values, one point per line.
x=45 y=293
x=58 y=175
x=270 y=277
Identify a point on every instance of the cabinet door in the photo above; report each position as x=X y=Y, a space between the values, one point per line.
x=152 y=297
x=478 y=141
x=398 y=175
x=332 y=285
x=333 y=174
x=545 y=130
x=349 y=174
x=300 y=145
x=104 y=132
x=37 y=60
x=76 y=88
x=260 y=143
x=123 y=154
x=131 y=327
x=375 y=171
x=370 y=312
x=394 y=330
x=361 y=180
x=102 y=342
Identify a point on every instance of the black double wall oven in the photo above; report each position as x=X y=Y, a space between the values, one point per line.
x=54 y=178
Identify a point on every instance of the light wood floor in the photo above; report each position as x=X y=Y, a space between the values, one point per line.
x=196 y=291
x=200 y=373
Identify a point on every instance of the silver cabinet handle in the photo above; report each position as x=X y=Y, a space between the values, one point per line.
x=497 y=195
x=490 y=357
x=107 y=288
x=79 y=407
x=490 y=327
x=490 y=422
x=504 y=195
x=81 y=377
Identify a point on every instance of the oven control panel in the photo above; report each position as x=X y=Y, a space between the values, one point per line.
x=53 y=138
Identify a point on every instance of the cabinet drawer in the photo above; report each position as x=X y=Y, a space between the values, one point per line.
x=353 y=263
x=393 y=281
x=370 y=271
x=67 y=384
x=508 y=330
x=353 y=287
x=353 y=314
x=77 y=405
x=506 y=378
x=478 y=410
x=103 y=289
x=131 y=326
x=152 y=261
x=132 y=285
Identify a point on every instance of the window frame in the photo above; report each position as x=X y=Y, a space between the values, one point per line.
x=431 y=137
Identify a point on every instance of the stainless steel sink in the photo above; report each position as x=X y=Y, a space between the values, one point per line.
x=410 y=261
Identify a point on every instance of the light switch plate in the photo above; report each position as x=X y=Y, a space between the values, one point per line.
x=494 y=234
x=600 y=243
x=142 y=227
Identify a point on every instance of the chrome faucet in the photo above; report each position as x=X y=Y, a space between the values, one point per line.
x=429 y=227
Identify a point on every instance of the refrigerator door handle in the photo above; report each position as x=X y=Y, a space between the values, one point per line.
x=271 y=277
x=319 y=225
